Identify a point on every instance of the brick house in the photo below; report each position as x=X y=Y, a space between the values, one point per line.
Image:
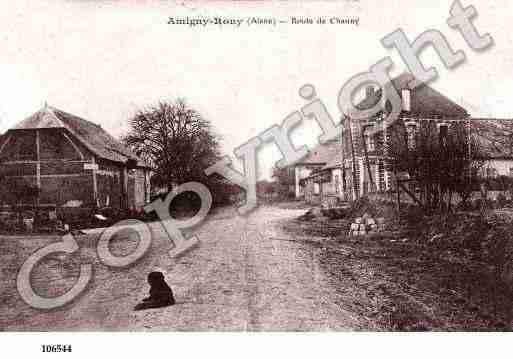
x=69 y=162
x=345 y=176
x=422 y=103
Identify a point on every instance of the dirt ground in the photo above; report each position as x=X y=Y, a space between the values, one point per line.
x=246 y=274
x=397 y=283
x=266 y=271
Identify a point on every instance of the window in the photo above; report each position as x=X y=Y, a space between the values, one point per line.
x=317 y=188
x=491 y=172
x=369 y=143
x=356 y=185
x=337 y=184
x=386 y=141
x=354 y=134
x=443 y=132
x=411 y=131
x=381 y=176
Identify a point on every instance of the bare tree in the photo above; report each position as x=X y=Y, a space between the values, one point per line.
x=440 y=162
x=176 y=140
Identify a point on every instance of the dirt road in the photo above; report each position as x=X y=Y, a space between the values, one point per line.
x=246 y=274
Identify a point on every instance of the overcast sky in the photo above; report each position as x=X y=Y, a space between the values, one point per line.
x=104 y=60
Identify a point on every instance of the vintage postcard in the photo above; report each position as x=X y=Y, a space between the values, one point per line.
x=255 y=166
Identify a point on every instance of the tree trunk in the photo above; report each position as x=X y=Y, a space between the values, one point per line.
x=449 y=201
x=366 y=154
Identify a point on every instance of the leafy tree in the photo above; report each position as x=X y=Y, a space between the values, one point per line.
x=285 y=181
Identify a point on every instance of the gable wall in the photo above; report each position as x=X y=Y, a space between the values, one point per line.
x=57 y=168
x=60 y=173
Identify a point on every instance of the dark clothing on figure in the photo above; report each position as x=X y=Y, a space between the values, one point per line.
x=161 y=294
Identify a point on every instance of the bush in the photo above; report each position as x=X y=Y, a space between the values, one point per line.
x=500 y=183
x=501 y=200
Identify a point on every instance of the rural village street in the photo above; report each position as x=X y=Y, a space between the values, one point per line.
x=246 y=274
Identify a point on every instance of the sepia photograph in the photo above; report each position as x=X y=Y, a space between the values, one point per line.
x=334 y=167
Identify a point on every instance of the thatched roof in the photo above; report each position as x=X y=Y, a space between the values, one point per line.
x=494 y=136
x=93 y=136
x=425 y=102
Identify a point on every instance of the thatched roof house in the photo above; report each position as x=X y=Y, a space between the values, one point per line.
x=69 y=162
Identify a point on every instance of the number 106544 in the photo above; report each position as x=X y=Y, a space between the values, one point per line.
x=56 y=348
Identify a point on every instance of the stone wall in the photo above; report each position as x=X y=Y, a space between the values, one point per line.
x=366 y=225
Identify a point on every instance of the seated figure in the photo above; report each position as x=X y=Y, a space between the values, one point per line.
x=161 y=294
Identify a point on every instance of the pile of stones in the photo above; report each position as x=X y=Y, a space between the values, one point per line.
x=366 y=225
